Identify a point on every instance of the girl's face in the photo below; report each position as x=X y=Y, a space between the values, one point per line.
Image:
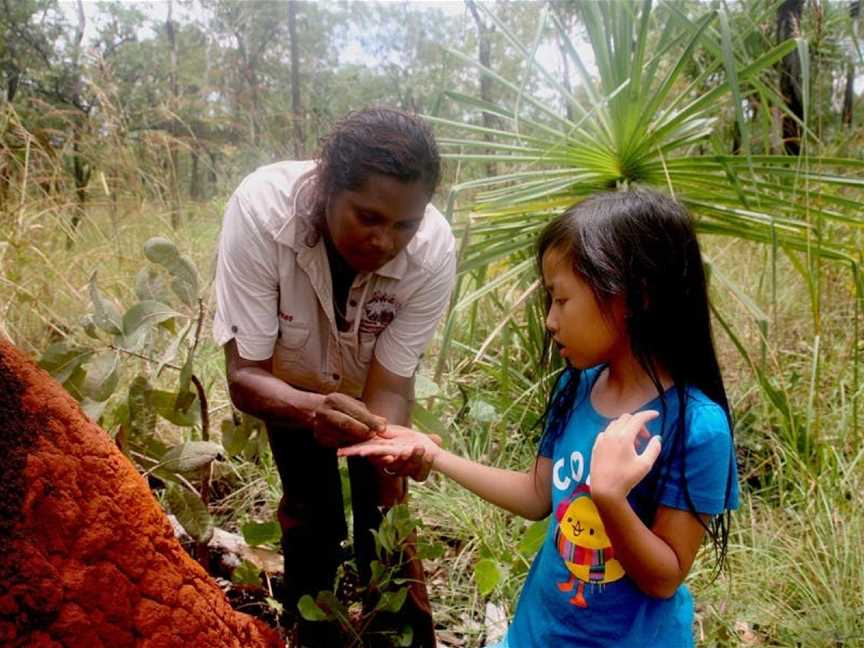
x=586 y=333
x=370 y=226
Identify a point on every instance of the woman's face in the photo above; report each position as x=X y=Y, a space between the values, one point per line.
x=370 y=226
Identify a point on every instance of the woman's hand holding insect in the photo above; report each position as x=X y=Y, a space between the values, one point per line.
x=616 y=466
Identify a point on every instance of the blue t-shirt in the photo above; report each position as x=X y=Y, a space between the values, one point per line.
x=577 y=593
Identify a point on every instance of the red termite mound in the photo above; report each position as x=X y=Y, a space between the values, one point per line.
x=87 y=557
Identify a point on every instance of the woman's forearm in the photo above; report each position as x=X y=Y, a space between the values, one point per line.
x=259 y=393
x=648 y=560
x=514 y=491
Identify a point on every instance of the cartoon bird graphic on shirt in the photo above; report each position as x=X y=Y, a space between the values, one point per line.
x=582 y=542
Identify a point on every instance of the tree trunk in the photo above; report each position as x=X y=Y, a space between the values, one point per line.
x=789 y=26
x=12 y=86
x=849 y=92
x=172 y=128
x=296 y=111
x=194 y=176
x=484 y=55
x=87 y=557
x=80 y=169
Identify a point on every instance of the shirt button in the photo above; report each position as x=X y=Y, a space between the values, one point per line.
x=353 y=303
x=233 y=329
x=335 y=376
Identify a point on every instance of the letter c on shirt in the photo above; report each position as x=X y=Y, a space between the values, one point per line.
x=560 y=484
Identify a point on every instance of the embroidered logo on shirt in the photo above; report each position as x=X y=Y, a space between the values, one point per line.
x=378 y=312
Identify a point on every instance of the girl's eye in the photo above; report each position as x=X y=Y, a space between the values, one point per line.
x=560 y=301
x=366 y=219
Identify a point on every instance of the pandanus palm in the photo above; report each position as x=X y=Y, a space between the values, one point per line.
x=648 y=117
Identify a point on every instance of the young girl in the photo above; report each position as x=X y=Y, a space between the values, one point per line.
x=636 y=463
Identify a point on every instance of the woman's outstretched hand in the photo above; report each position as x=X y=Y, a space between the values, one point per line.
x=616 y=465
x=400 y=450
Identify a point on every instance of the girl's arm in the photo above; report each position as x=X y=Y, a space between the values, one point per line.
x=527 y=494
x=657 y=559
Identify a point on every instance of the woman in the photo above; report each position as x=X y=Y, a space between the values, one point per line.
x=331 y=278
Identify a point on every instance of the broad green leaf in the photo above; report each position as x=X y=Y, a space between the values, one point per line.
x=533 y=537
x=246 y=573
x=309 y=609
x=105 y=313
x=185 y=277
x=430 y=550
x=186 y=291
x=392 y=601
x=405 y=637
x=102 y=378
x=185 y=378
x=164 y=403
x=172 y=349
x=377 y=572
x=487 y=575
x=150 y=286
x=142 y=415
x=190 y=512
x=61 y=361
x=258 y=533
x=146 y=313
x=234 y=437
x=184 y=401
x=190 y=456
x=89 y=326
x=334 y=608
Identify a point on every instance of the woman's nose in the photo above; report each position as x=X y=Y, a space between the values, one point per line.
x=383 y=242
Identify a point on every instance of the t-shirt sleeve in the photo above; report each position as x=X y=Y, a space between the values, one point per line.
x=708 y=463
x=403 y=341
x=247 y=283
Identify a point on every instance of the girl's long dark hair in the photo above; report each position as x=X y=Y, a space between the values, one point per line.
x=641 y=245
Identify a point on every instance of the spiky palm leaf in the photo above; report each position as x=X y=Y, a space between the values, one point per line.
x=642 y=121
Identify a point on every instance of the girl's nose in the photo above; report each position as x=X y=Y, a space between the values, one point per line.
x=551 y=323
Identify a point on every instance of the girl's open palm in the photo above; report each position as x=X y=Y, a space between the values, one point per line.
x=396 y=443
x=616 y=466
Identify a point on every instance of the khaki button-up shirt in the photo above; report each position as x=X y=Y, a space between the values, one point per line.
x=274 y=289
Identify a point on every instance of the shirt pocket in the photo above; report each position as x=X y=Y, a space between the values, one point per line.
x=293 y=336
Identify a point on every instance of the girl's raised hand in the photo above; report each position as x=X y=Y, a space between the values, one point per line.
x=616 y=466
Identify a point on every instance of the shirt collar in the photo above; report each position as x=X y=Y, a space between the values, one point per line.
x=296 y=226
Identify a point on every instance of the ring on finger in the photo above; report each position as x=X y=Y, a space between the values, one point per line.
x=387 y=471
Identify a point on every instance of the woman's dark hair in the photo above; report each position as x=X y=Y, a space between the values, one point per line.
x=377 y=141
x=641 y=245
